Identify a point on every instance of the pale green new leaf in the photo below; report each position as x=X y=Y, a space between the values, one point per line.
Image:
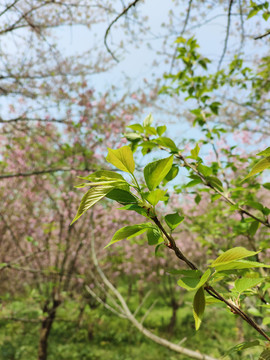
x=167 y=143
x=122 y=159
x=195 y=152
x=260 y=166
x=148 y=120
x=155 y=196
x=161 y=129
x=129 y=232
x=102 y=175
x=89 y=199
x=233 y=254
x=265 y=152
x=198 y=307
x=156 y=171
x=246 y=283
x=240 y=264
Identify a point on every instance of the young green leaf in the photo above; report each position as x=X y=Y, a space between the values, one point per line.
x=246 y=283
x=161 y=129
x=148 y=120
x=89 y=199
x=265 y=152
x=156 y=171
x=193 y=283
x=136 y=127
x=260 y=166
x=155 y=196
x=102 y=175
x=173 y=220
x=240 y=264
x=122 y=159
x=129 y=232
x=171 y=174
x=198 y=307
x=195 y=152
x=233 y=254
x=167 y=143
x=154 y=237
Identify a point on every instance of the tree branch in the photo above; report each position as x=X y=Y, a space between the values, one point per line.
x=112 y=23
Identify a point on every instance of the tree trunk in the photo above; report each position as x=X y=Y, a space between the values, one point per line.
x=46 y=328
x=173 y=319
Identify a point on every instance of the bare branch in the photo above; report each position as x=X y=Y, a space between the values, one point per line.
x=227 y=35
x=113 y=22
x=262 y=36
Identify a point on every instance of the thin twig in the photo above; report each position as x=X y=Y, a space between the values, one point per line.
x=227 y=35
x=262 y=36
x=113 y=22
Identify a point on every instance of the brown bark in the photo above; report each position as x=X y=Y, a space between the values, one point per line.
x=46 y=326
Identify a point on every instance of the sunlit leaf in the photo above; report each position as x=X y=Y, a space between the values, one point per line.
x=148 y=120
x=260 y=166
x=156 y=171
x=129 y=232
x=122 y=159
x=89 y=199
x=233 y=254
x=246 y=283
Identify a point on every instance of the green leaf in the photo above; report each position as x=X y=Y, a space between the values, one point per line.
x=122 y=159
x=167 y=143
x=198 y=307
x=265 y=152
x=148 y=120
x=240 y=264
x=173 y=220
x=253 y=228
x=171 y=174
x=155 y=196
x=129 y=232
x=154 y=237
x=195 y=152
x=193 y=183
x=161 y=129
x=102 y=175
x=136 y=127
x=122 y=196
x=193 y=283
x=232 y=255
x=131 y=136
x=89 y=199
x=156 y=171
x=205 y=170
x=265 y=355
x=215 y=182
x=246 y=283
x=266 y=186
x=260 y=166
x=242 y=346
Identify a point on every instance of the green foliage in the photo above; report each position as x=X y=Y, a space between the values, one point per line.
x=122 y=159
x=198 y=307
x=156 y=171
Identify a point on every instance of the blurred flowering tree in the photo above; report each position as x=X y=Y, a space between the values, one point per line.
x=56 y=124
